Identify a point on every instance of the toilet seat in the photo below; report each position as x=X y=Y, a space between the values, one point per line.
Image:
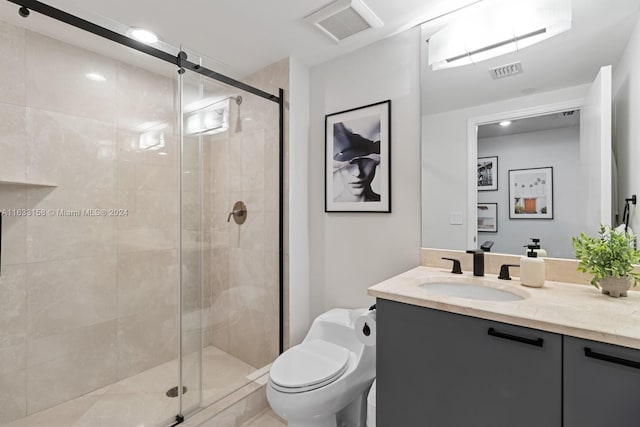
x=308 y=366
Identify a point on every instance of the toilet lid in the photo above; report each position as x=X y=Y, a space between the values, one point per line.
x=312 y=363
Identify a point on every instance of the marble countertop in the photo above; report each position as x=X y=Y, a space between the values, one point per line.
x=564 y=308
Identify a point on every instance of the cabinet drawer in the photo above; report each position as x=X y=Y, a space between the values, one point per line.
x=447 y=370
x=601 y=384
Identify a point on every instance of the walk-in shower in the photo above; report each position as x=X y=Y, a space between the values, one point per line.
x=126 y=296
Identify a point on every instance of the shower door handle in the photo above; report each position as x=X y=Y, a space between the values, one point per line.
x=239 y=213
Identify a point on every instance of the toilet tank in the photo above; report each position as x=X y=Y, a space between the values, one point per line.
x=337 y=326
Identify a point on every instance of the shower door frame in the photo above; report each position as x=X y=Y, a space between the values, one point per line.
x=183 y=64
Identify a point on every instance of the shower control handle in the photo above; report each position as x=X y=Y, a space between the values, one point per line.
x=232 y=214
x=239 y=213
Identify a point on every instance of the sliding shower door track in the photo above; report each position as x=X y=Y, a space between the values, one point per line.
x=180 y=60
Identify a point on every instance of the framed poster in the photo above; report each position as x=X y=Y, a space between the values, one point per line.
x=488 y=217
x=358 y=159
x=487 y=173
x=531 y=193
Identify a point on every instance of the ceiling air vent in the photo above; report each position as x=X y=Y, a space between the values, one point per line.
x=505 y=70
x=344 y=18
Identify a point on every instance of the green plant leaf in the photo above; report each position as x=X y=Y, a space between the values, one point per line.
x=612 y=253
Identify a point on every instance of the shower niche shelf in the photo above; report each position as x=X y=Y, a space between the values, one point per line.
x=27 y=183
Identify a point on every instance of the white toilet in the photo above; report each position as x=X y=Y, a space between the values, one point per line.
x=324 y=381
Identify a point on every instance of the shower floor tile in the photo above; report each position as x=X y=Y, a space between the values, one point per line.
x=140 y=400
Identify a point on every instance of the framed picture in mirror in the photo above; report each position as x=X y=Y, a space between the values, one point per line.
x=531 y=193
x=488 y=173
x=357 y=159
x=488 y=217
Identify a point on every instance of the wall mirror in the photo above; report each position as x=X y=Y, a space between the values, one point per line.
x=556 y=145
x=524 y=166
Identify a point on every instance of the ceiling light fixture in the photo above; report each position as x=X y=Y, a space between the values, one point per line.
x=142 y=35
x=495 y=27
x=344 y=18
x=505 y=123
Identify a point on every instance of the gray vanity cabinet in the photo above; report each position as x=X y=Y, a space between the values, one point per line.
x=439 y=369
x=601 y=384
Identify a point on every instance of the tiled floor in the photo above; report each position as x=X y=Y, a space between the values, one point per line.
x=265 y=419
x=140 y=401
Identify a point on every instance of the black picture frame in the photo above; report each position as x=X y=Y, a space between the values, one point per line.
x=358 y=159
x=487 y=170
x=531 y=193
x=487 y=223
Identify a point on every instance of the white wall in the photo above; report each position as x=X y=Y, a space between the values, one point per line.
x=298 y=162
x=352 y=251
x=558 y=148
x=444 y=163
x=626 y=124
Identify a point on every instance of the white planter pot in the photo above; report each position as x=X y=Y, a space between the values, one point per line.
x=616 y=286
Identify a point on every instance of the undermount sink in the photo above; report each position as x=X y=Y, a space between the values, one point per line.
x=474 y=291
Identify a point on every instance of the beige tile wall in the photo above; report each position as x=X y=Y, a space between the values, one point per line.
x=244 y=268
x=84 y=300
x=13 y=344
x=12 y=58
x=13 y=142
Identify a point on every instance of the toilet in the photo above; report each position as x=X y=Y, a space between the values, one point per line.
x=324 y=381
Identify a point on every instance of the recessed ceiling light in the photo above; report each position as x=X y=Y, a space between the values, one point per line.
x=95 y=77
x=505 y=123
x=142 y=35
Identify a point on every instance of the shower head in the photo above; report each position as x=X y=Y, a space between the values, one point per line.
x=238 y=100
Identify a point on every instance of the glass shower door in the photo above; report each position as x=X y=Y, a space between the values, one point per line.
x=90 y=261
x=193 y=247
x=135 y=293
x=230 y=236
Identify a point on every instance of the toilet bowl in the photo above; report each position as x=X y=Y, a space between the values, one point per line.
x=324 y=381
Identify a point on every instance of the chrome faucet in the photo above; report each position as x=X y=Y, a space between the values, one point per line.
x=478 y=261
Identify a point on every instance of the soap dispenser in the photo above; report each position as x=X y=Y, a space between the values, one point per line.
x=540 y=251
x=532 y=269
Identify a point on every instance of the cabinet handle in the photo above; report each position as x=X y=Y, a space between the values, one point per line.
x=537 y=342
x=613 y=359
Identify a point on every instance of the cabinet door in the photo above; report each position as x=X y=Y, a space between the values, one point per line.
x=601 y=384
x=438 y=369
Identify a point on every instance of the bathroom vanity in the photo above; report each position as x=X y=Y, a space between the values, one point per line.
x=561 y=355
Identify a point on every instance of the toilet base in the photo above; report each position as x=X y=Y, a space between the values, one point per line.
x=352 y=415
x=316 y=422
x=355 y=413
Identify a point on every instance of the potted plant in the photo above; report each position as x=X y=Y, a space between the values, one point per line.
x=610 y=258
